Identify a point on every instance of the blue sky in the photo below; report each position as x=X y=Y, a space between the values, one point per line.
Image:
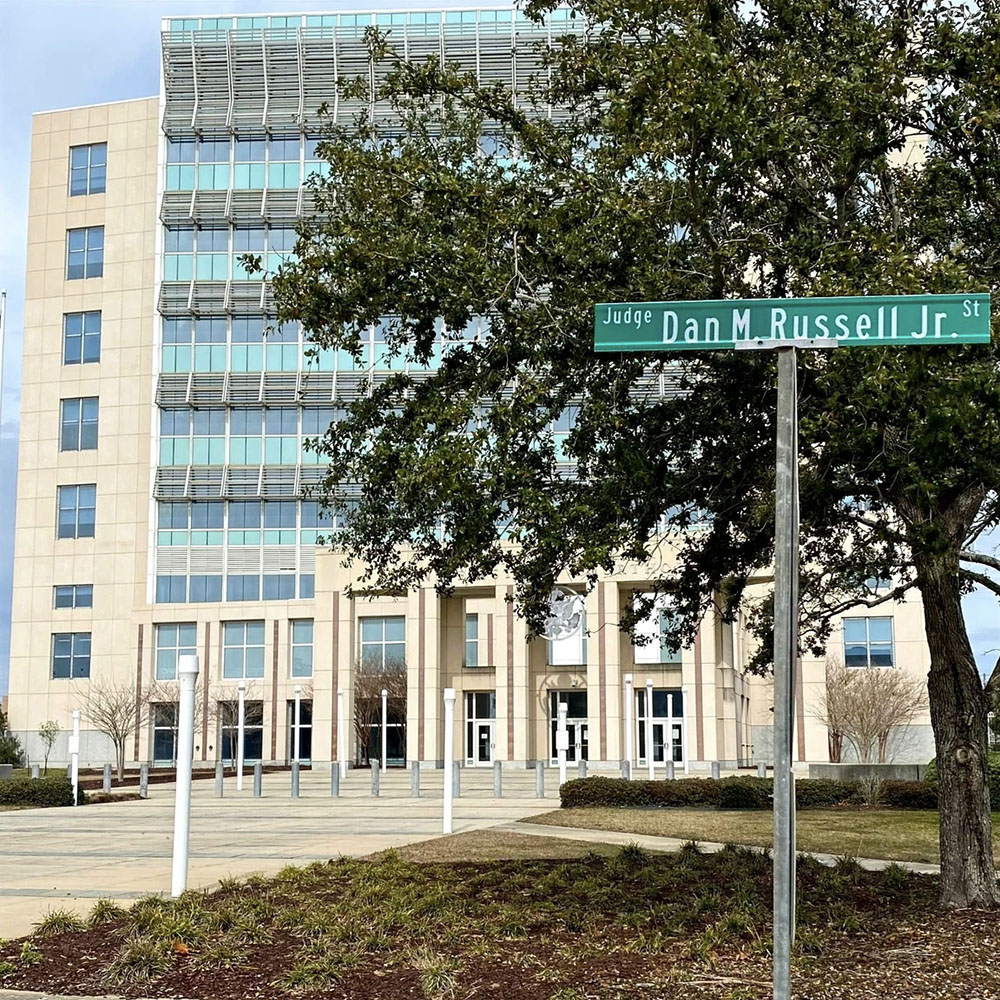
x=65 y=53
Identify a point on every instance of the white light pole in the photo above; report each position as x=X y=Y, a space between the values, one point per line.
x=562 y=742
x=341 y=736
x=629 y=698
x=298 y=723
x=241 y=718
x=385 y=729
x=649 y=726
x=449 y=754
x=187 y=673
x=74 y=754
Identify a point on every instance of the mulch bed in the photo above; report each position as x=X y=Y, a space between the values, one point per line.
x=662 y=927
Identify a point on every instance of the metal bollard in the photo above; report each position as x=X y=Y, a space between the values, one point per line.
x=36 y=772
x=539 y=779
x=258 y=779
x=497 y=780
x=415 y=779
x=716 y=770
x=670 y=770
x=219 y=774
x=374 y=768
x=581 y=768
x=106 y=786
x=295 y=779
x=335 y=780
x=456 y=779
x=762 y=770
x=143 y=781
x=623 y=769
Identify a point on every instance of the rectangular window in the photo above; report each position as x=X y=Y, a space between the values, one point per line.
x=77 y=509
x=171 y=589
x=253 y=730
x=70 y=655
x=472 y=640
x=868 y=642
x=383 y=644
x=88 y=168
x=205 y=589
x=302 y=648
x=85 y=252
x=79 y=595
x=81 y=338
x=242 y=649
x=78 y=431
x=305 y=729
x=165 y=732
x=173 y=641
x=658 y=630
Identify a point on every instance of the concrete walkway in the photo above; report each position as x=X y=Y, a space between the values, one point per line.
x=671 y=844
x=55 y=858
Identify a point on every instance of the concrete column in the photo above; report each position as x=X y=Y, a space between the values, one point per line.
x=716 y=770
x=761 y=770
x=374 y=770
x=581 y=769
x=219 y=773
x=670 y=770
x=143 y=781
x=295 y=779
x=415 y=779
x=258 y=779
x=497 y=779
x=335 y=780
x=106 y=783
x=539 y=779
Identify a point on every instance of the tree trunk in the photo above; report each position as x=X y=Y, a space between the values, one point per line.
x=958 y=708
x=120 y=752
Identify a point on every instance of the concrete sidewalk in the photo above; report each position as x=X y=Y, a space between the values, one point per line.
x=53 y=858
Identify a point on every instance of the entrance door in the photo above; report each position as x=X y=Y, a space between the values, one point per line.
x=658 y=748
x=484 y=743
x=578 y=748
x=677 y=742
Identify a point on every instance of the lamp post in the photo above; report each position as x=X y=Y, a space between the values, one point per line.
x=649 y=726
x=298 y=723
x=241 y=721
x=74 y=755
x=449 y=754
x=629 y=698
x=341 y=735
x=187 y=673
x=562 y=742
x=385 y=729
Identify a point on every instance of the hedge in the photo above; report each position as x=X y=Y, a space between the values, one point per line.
x=53 y=790
x=739 y=792
x=992 y=776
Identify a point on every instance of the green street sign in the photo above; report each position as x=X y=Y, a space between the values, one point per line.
x=852 y=321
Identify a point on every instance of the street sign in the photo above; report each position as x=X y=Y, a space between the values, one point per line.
x=851 y=321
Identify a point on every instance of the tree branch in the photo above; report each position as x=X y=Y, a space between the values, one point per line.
x=982 y=558
x=982 y=579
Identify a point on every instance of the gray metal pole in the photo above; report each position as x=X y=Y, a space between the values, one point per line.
x=670 y=770
x=295 y=779
x=258 y=779
x=143 y=781
x=581 y=768
x=762 y=770
x=539 y=779
x=106 y=784
x=374 y=768
x=786 y=569
x=623 y=768
x=334 y=779
x=219 y=774
x=456 y=779
x=716 y=770
x=415 y=780
x=497 y=780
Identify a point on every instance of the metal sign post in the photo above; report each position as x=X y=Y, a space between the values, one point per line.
x=187 y=674
x=241 y=721
x=385 y=729
x=449 y=756
x=784 y=325
x=629 y=698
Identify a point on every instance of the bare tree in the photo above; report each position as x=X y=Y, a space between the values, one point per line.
x=224 y=712
x=369 y=682
x=863 y=705
x=115 y=709
x=48 y=733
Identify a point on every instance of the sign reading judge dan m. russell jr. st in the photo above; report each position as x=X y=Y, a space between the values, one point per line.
x=870 y=321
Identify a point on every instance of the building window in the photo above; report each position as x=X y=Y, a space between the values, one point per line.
x=85 y=252
x=88 y=168
x=79 y=424
x=77 y=508
x=383 y=644
x=657 y=629
x=81 y=338
x=78 y=595
x=165 y=732
x=472 y=640
x=868 y=642
x=70 y=654
x=253 y=729
x=242 y=649
x=172 y=642
x=302 y=648
x=305 y=729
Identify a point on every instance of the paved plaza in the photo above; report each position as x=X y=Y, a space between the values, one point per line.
x=70 y=857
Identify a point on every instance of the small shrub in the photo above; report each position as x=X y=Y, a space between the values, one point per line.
x=139 y=960
x=105 y=911
x=437 y=973
x=910 y=794
x=6 y=968
x=29 y=954
x=992 y=777
x=54 y=790
x=744 y=793
x=58 y=922
x=870 y=787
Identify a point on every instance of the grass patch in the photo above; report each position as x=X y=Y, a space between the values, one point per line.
x=493 y=845
x=895 y=834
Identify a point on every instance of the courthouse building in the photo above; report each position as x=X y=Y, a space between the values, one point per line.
x=163 y=497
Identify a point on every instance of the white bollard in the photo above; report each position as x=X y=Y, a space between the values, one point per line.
x=649 y=727
x=341 y=737
x=241 y=722
x=385 y=729
x=629 y=702
x=296 y=756
x=449 y=755
x=562 y=742
x=74 y=756
x=187 y=672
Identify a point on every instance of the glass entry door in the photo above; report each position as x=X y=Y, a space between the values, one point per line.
x=484 y=743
